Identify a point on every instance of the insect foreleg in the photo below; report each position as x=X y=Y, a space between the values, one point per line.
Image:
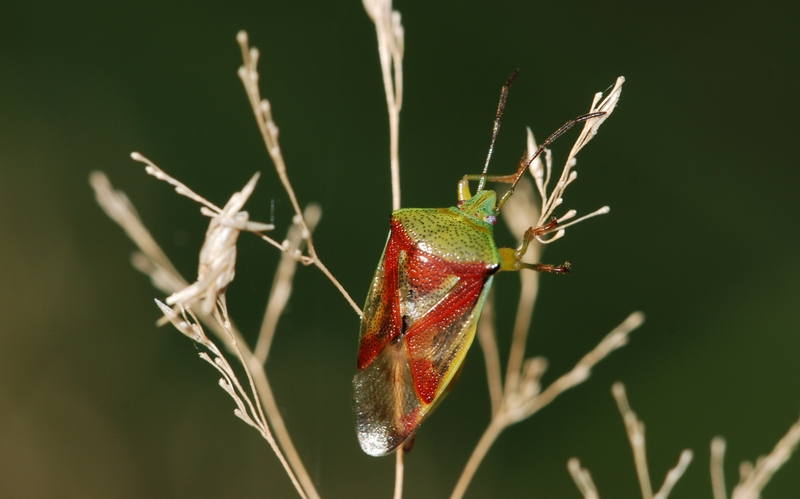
x=463 y=184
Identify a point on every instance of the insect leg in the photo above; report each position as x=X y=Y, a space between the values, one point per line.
x=543 y=267
x=512 y=259
x=463 y=187
x=463 y=184
x=531 y=233
x=509 y=262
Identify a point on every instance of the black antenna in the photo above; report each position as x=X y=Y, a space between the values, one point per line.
x=496 y=128
x=558 y=133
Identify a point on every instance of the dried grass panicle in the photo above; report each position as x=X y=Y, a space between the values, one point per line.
x=216 y=271
x=152 y=261
x=635 y=430
x=522 y=395
x=262 y=110
x=391 y=47
x=217 y=266
x=753 y=479
x=542 y=171
x=248 y=405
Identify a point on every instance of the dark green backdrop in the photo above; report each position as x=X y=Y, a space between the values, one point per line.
x=698 y=164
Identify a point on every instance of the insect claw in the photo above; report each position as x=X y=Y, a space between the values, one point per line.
x=566 y=268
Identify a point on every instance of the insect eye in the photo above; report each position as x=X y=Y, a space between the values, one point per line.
x=490 y=219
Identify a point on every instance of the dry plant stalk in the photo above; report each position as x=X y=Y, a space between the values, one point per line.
x=583 y=479
x=717 y=472
x=216 y=270
x=391 y=45
x=522 y=395
x=752 y=479
x=152 y=261
x=262 y=110
x=635 y=429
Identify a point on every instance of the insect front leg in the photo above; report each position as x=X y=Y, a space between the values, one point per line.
x=512 y=258
x=464 y=193
x=463 y=184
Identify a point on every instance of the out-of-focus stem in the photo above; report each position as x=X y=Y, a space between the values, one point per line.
x=529 y=288
x=494 y=429
x=391 y=42
x=635 y=430
x=515 y=408
x=398 y=473
x=717 y=470
x=487 y=336
x=282 y=282
x=262 y=110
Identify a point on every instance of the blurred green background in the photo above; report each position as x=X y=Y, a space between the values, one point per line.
x=697 y=164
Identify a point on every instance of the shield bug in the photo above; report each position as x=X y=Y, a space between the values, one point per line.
x=425 y=300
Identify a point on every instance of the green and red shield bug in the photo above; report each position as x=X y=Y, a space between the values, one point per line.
x=426 y=297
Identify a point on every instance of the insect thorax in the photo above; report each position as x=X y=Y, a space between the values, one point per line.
x=449 y=234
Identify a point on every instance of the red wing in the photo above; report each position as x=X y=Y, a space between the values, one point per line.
x=438 y=341
x=382 y=321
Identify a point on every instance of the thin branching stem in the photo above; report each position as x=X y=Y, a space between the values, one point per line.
x=717 y=470
x=519 y=214
x=153 y=262
x=391 y=46
x=529 y=288
x=496 y=426
x=524 y=404
x=247 y=410
x=612 y=341
x=398 y=473
x=675 y=474
x=487 y=337
x=282 y=281
x=583 y=479
x=754 y=479
x=262 y=110
x=635 y=430
x=522 y=395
